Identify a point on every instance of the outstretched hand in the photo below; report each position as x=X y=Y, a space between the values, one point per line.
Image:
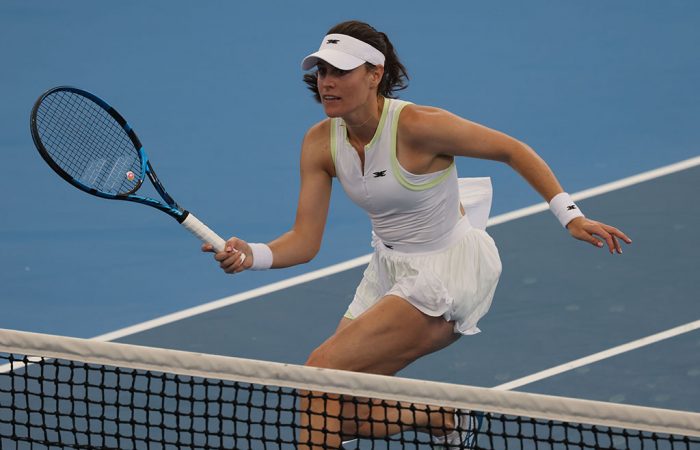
x=236 y=256
x=598 y=234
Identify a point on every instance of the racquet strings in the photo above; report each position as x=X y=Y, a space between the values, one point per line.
x=87 y=143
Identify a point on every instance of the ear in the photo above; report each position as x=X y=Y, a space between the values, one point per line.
x=376 y=75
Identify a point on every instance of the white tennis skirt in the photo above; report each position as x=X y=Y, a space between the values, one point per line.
x=457 y=282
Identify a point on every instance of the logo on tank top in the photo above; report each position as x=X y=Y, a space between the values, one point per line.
x=332 y=41
x=381 y=173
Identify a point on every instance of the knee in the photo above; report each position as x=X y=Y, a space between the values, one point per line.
x=323 y=357
x=319 y=358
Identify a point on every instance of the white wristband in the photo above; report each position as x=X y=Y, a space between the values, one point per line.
x=262 y=256
x=564 y=208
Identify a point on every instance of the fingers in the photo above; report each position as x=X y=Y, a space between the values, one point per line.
x=231 y=261
x=591 y=232
x=608 y=238
x=616 y=242
x=593 y=240
x=600 y=235
x=614 y=237
x=234 y=258
x=620 y=235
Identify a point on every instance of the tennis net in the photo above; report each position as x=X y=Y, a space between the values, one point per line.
x=59 y=392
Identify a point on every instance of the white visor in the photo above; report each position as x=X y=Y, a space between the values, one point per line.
x=344 y=52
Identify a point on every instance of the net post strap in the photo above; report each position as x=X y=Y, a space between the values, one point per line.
x=350 y=383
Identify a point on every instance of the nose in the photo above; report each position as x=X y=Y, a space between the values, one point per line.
x=326 y=81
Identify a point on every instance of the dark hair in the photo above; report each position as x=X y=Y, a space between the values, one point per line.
x=395 y=77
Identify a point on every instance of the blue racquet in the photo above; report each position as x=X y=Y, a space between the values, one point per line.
x=90 y=145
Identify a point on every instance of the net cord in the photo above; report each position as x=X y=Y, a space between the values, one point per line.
x=349 y=383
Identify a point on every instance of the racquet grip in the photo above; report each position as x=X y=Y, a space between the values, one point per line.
x=203 y=232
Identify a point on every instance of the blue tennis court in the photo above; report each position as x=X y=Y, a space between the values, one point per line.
x=602 y=91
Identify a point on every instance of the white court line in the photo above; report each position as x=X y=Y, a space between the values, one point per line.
x=593 y=358
x=359 y=261
x=237 y=298
x=692 y=162
x=350 y=264
x=602 y=189
x=673 y=332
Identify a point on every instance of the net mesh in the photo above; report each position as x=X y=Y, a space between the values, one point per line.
x=87 y=143
x=93 y=398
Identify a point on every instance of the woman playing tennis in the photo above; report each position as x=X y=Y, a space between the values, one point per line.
x=434 y=269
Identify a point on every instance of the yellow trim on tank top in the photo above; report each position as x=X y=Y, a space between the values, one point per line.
x=334 y=140
x=397 y=167
x=377 y=132
x=380 y=127
x=336 y=121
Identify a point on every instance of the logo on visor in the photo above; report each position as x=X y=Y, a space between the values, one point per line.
x=332 y=41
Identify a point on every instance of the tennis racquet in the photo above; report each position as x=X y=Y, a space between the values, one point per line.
x=90 y=145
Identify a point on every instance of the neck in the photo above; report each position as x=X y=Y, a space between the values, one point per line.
x=363 y=124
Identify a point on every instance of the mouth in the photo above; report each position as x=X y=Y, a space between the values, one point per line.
x=330 y=98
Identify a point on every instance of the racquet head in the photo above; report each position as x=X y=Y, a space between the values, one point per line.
x=87 y=142
x=90 y=145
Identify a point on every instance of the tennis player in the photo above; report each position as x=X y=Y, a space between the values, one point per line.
x=434 y=269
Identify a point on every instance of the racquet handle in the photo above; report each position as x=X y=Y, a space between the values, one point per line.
x=203 y=232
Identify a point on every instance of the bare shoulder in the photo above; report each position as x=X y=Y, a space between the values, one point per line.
x=315 y=151
x=318 y=133
x=419 y=124
x=437 y=131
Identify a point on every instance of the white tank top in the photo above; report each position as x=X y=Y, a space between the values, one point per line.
x=409 y=212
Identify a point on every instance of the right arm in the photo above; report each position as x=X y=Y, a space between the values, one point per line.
x=300 y=244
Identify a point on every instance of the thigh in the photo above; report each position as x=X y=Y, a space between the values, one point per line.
x=384 y=339
x=344 y=322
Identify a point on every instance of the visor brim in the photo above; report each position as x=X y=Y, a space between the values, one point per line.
x=335 y=58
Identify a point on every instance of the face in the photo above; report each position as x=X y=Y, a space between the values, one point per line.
x=344 y=91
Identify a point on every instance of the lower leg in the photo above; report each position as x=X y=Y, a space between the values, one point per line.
x=320 y=421
x=325 y=419
x=380 y=418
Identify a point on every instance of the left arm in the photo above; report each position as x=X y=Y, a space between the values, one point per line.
x=427 y=132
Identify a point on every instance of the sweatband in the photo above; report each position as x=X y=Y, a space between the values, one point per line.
x=564 y=208
x=262 y=256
